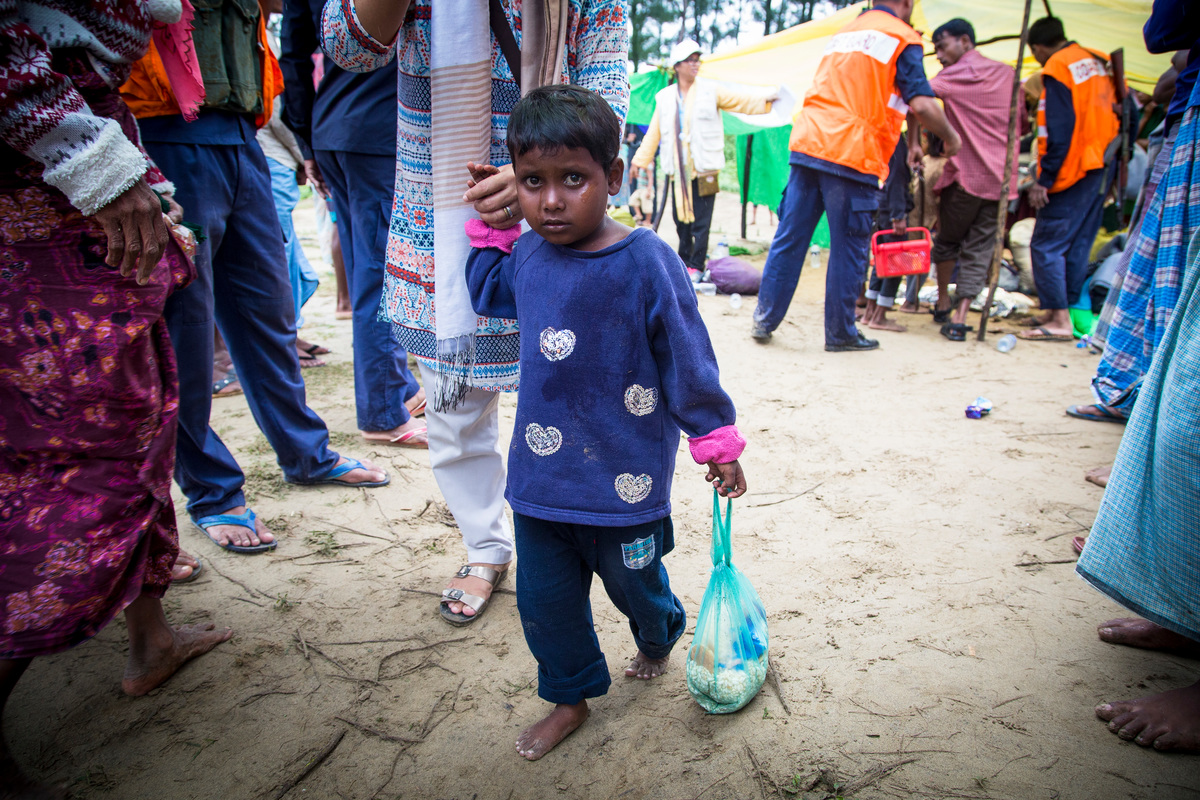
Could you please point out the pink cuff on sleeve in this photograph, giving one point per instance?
(722, 446)
(483, 235)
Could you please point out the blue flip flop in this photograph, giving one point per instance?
(333, 477)
(245, 520)
(1105, 415)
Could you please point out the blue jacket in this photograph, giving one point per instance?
(351, 111)
(615, 360)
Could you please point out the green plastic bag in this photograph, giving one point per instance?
(727, 662)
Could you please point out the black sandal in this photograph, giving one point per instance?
(941, 315)
(955, 331)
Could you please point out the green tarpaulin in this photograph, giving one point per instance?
(768, 168)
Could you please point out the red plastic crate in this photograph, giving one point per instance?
(893, 259)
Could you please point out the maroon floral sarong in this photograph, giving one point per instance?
(88, 404)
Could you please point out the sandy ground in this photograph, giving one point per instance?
(928, 635)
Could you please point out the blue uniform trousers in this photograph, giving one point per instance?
(1062, 240)
(554, 581)
(362, 187)
(850, 207)
(243, 284)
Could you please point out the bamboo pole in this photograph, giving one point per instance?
(1009, 166)
(746, 180)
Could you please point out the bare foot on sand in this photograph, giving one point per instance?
(1167, 721)
(644, 667)
(882, 323)
(1098, 476)
(151, 665)
(1137, 632)
(540, 738)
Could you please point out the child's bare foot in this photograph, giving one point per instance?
(644, 667)
(540, 738)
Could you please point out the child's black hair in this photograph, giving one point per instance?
(550, 117)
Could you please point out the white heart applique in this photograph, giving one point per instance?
(557, 345)
(640, 401)
(633, 489)
(543, 441)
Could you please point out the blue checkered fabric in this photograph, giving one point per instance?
(1144, 549)
(1151, 286)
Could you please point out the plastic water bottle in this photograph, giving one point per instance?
(706, 289)
(722, 249)
(1006, 343)
(814, 256)
(735, 301)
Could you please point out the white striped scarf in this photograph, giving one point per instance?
(461, 88)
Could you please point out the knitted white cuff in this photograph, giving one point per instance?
(168, 11)
(100, 173)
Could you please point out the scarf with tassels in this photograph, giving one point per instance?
(461, 89)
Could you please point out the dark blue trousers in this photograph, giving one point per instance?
(555, 565)
(243, 285)
(1062, 240)
(850, 208)
(362, 187)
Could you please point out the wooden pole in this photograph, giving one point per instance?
(746, 179)
(1009, 166)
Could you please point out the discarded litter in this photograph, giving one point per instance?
(980, 407)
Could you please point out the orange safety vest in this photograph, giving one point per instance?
(853, 114)
(148, 92)
(1085, 73)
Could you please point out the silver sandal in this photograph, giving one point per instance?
(492, 576)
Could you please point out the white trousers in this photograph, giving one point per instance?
(464, 450)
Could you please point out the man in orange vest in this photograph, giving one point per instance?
(1076, 124)
(870, 78)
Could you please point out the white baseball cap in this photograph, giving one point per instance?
(682, 50)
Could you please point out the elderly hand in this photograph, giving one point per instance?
(1038, 196)
(495, 196)
(137, 235)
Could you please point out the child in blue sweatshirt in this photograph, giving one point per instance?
(615, 360)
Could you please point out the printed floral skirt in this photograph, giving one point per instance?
(88, 405)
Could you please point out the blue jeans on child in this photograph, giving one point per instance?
(554, 581)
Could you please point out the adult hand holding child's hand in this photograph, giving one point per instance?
(493, 192)
(727, 479)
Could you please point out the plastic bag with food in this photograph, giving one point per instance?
(727, 662)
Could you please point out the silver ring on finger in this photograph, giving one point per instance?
(508, 213)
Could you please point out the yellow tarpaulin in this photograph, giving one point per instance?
(791, 57)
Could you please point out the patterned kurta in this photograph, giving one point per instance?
(597, 43)
(88, 396)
